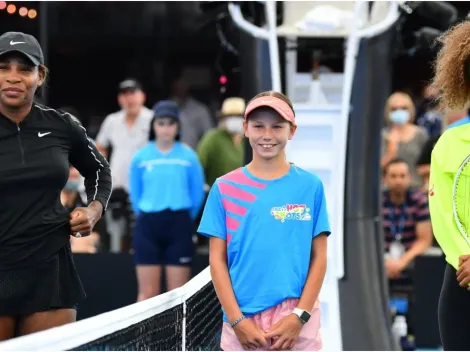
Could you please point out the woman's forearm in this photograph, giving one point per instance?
(389, 155)
(224, 289)
(387, 158)
(316, 274)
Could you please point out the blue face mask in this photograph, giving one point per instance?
(72, 185)
(400, 117)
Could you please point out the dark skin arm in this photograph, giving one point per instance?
(82, 220)
(463, 274)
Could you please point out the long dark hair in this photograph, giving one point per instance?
(153, 137)
(452, 67)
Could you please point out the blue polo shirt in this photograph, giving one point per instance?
(268, 226)
(173, 180)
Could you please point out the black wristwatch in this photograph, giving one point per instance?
(303, 315)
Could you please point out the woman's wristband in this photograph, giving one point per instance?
(237, 321)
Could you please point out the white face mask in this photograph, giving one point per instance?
(234, 124)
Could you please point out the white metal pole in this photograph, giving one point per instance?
(270, 9)
(291, 66)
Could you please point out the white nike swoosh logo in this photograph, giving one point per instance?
(43, 134)
(14, 43)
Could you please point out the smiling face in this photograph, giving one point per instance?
(268, 133)
(19, 79)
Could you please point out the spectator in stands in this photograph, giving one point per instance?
(195, 117)
(402, 139)
(71, 199)
(430, 116)
(406, 221)
(125, 132)
(221, 150)
(166, 191)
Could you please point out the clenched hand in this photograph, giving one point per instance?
(82, 220)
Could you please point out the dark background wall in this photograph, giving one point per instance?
(110, 281)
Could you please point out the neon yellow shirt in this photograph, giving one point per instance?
(447, 156)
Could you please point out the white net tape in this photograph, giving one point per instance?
(83, 332)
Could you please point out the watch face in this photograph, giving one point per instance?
(305, 316)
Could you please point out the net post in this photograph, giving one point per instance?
(183, 322)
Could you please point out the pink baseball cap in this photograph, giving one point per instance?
(279, 105)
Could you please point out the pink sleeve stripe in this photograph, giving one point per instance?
(238, 176)
(229, 238)
(234, 192)
(231, 223)
(231, 207)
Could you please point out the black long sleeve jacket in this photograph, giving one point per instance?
(34, 166)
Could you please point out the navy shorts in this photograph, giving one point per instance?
(163, 238)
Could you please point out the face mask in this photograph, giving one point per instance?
(234, 124)
(400, 117)
(72, 185)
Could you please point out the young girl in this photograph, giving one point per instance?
(166, 192)
(268, 228)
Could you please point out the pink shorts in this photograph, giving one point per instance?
(309, 338)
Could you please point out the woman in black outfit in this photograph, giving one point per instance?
(452, 77)
(39, 286)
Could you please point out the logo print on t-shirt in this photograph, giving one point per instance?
(291, 212)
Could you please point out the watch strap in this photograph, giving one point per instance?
(303, 315)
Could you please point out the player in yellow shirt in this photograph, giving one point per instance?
(449, 193)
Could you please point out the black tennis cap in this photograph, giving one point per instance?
(22, 43)
(129, 85)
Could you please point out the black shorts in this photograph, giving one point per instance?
(163, 238)
(50, 284)
(453, 313)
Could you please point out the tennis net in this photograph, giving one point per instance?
(186, 319)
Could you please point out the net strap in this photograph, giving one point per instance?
(79, 333)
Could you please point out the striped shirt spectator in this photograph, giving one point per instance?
(406, 220)
(401, 219)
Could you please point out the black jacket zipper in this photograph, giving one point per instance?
(21, 145)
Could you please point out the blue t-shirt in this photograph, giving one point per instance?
(172, 180)
(268, 226)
